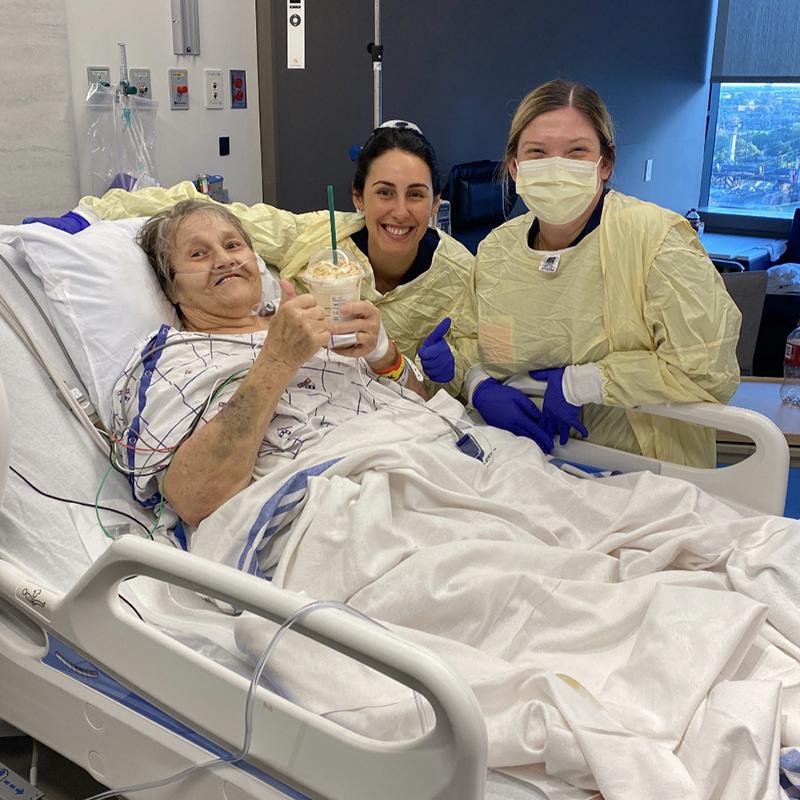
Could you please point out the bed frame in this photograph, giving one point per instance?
(759, 481)
(81, 664)
(129, 704)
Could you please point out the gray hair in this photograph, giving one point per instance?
(158, 235)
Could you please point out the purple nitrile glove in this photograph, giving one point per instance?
(71, 222)
(558, 415)
(435, 354)
(506, 407)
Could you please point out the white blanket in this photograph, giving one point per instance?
(629, 634)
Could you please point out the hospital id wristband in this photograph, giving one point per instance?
(395, 366)
(400, 375)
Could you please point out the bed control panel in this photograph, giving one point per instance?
(13, 786)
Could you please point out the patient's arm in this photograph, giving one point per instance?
(216, 462)
(366, 323)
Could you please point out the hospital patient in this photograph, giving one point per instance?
(631, 634)
(293, 389)
(413, 273)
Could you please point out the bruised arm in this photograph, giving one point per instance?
(216, 461)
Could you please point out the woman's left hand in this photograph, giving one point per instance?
(366, 324)
(558, 414)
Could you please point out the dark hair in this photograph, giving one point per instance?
(405, 139)
(157, 236)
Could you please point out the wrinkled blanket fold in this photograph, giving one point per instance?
(628, 634)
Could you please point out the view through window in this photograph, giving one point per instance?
(756, 161)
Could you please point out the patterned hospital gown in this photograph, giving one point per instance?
(164, 392)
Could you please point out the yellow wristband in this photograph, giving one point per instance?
(396, 365)
(396, 374)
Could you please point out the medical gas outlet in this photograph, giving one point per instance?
(213, 79)
(178, 89)
(140, 78)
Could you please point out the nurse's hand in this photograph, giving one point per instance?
(436, 356)
(366, 326)
(506, 407)
(558, 414)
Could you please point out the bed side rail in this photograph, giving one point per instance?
(309, 752)
(758, 481)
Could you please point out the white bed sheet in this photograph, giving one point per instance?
(631, 631)
(56, 542)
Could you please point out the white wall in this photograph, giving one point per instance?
(38, 163)
(187, 142)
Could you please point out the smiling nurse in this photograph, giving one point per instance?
(414, 274)
(611, 300)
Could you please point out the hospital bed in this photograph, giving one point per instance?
(134, 680)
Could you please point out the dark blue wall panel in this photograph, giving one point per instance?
(459, 67)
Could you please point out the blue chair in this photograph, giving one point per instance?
(478, 201)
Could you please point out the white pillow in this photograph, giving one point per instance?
(103, 296)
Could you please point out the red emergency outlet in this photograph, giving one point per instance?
(238, 88)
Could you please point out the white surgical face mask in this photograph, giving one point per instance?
(557, 190)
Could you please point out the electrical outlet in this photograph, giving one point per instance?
(178, 89)
(213, 88)
(98, 74)
(238, 88)
(140, 78)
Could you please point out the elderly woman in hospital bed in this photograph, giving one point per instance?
(612, 301)
(413, 273)
(631, 634)
(205, 262)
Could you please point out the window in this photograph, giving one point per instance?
(755, 153)
(751, 172)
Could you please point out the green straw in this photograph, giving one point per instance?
(333, 223)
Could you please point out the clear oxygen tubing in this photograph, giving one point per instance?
(266, 306)
(233, 758)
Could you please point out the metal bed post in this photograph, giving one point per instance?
(375, 49)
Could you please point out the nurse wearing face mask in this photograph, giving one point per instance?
(609, 299)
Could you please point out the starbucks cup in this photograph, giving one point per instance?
(334, 284)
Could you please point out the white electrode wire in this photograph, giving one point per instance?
(459, 433)
(233, 758)
(151, 468)
(174, 342)
(33, 775)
